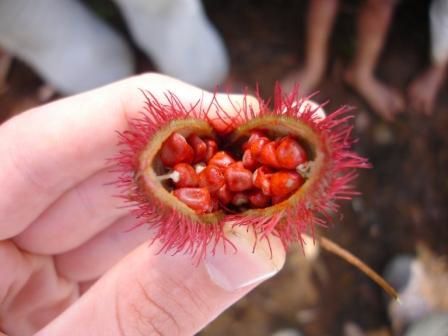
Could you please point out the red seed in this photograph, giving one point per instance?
(249, 161)
(196, 198)
(268, 155)
(212, 148)
(199, 147)
(187, 176)
(225, 196)
(212, 178)
(290, 153)
(254, 136)
(221, 159)
(214, 204)
(261, 179)
(285, 183)
(175, 149)
(257, 146)
(237, 177)
(259, 200)
(240, 199)
(278, 199)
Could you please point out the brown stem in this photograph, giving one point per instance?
(351, 259)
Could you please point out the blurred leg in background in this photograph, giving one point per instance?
(319, 24)
(372, 27)
(423, 90)
(373, 24)
(178, 37)
(65, 44)
(74, 51)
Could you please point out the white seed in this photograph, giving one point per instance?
(198, 167)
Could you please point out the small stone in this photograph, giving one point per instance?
(383, 135)
(287, 332)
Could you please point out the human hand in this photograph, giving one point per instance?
(67, 263)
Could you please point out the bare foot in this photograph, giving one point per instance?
(384, 100)
(423, 90)
(306, 78)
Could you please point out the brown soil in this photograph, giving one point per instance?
(403, 197)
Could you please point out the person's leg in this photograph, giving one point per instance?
(373, 23)
(423, 90)
(320, 20)
(69, 47)
(179, 38)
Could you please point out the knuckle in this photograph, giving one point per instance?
(20, 161)
(142, 313)
(84, 198)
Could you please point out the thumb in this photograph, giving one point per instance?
(147, 294)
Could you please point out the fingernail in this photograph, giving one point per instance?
(246, 266)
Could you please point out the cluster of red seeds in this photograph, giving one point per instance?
(207, 180)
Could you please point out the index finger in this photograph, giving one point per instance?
(50, 149)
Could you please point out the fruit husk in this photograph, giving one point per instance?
(275, 126)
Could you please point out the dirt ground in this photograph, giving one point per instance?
(403, 197)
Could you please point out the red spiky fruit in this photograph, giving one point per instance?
(288, 139)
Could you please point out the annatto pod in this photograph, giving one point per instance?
(279, 170)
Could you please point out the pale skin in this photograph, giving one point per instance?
(372, 26)
(62, 232)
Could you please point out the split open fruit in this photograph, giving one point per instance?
(257, 174)
(278, 169)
